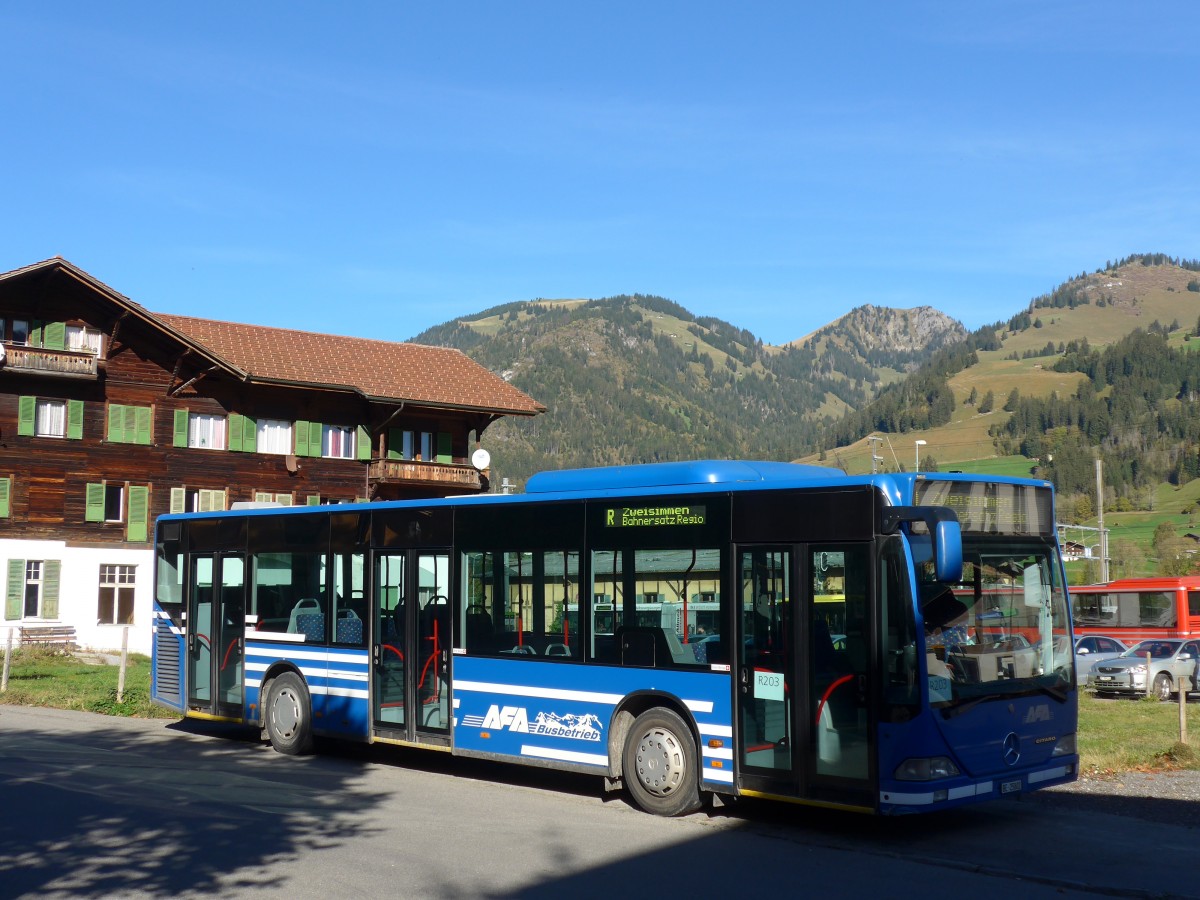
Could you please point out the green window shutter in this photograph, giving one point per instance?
(26, 417)
(54, 336)
(14, 596)
(444, 441)
(236, 426)
(312, 500)
(94, 505)
(315, 431)
(178, 499)
(51, 578)
(144, 425)
(362, 443)
(139, 508)
(283, 499)
(395, 443)
(262, 497)
(35, 333)
(180, 430)
(116, 423)
(301, 430)
(75, 420)
(5, 497)
(250, 434)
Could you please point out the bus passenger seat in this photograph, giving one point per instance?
(312, 626)
(303, 605)
(349, 627)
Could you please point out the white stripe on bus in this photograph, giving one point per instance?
(591, 759)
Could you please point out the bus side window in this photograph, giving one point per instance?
(515, 603)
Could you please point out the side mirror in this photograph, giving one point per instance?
(947, 550)
(1083, 651)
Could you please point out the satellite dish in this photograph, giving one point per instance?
(481, 459)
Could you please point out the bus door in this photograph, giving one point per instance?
(766, 677)
(216, 626)
(803, 688)
(840, 747)
(412, 645)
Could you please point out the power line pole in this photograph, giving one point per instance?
(875, 441)
(1100, 520)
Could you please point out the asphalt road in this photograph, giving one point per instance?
(100, 807)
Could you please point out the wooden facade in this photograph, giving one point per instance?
(111, 416)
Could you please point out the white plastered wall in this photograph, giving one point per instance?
(79, 592)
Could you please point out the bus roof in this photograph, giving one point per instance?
(650, 479)
(676, 474)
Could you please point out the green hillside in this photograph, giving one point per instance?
(635, 379)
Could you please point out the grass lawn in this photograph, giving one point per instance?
(49, 677)
(1120, 735)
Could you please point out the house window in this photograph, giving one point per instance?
(114, 502)
(50, 419)
(337, 441)
(206, 432)
(274, 436)
(80, 338)
(20, 331)
(115, 606)
(33, 589)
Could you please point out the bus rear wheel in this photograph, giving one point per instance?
(659, 764)
(288, 715)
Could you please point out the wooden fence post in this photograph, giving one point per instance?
(1183, 680)
(7, 657)
(124, 657)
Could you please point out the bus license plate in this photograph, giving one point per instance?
(1010, 787)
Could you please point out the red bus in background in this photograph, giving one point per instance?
(1135, 609)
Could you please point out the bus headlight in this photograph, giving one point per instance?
(927, 769)
(1065, 745)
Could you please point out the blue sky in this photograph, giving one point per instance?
(377, 168)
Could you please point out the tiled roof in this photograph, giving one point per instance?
(435, 376)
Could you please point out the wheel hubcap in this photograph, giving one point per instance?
(660, 762)
(285, 713)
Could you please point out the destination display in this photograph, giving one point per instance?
(989, 507)
(653, 516)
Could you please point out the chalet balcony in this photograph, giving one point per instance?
(24, 360)
(393, 477)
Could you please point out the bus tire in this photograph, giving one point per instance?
(288, 715)
(659, 764)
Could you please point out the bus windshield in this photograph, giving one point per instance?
(992, 634)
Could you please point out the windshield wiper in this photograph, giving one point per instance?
(951, 712)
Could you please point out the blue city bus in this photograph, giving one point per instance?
(691, 632)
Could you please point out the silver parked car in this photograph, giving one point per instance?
(1090, 649)
(1170, 659)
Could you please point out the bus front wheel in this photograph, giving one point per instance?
(289, 715)
(659, 764)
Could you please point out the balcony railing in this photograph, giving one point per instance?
(40, 361)
(459, 476)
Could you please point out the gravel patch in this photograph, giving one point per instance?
(1171, 798)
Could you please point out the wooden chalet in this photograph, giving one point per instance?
(111, 415)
